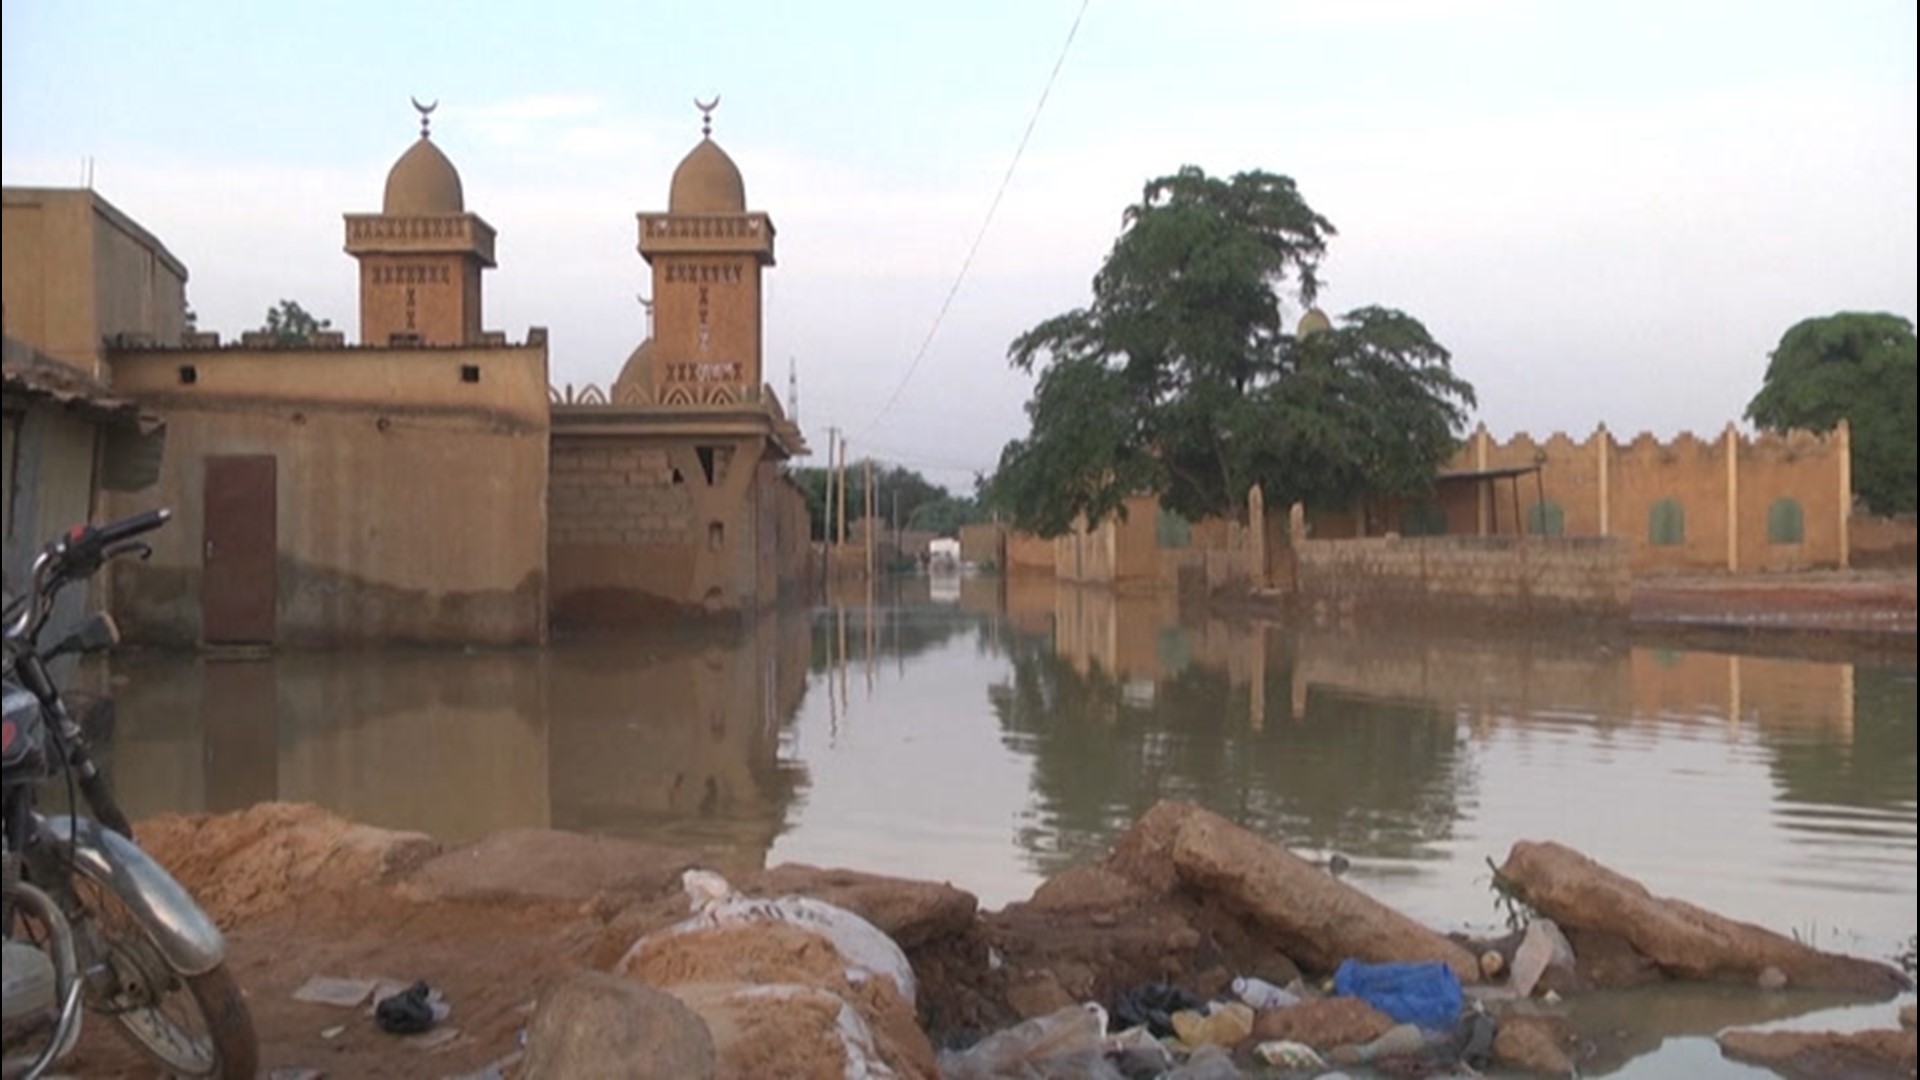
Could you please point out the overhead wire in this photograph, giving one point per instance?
(999, 194)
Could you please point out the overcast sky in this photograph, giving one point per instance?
(1609, 212)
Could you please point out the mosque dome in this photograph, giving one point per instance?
(423, 181)
(1313, 322)
(638, 369)
(707, 182)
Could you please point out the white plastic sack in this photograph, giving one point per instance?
(867, 950)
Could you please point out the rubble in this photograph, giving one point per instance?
(1685, 941)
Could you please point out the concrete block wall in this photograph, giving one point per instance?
(605, 492)
(1519, 577)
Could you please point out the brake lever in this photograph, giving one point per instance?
(128, 547)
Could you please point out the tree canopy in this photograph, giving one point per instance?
(1861, 367)
(291, 324)
(1182, 380)
(919, 503)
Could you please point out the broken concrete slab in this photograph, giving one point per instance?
(1819, 1055)
(1684, 940)
(1313, 917)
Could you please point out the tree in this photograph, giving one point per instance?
(945, 515)
(1181, 380)
(1856, 366)
(896, 487)
(291, 324)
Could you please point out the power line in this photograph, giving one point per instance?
(992, 208)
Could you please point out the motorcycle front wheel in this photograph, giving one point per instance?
(190, 1025)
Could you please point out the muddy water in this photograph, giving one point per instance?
(990, 736)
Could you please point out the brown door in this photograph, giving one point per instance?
(240, 546)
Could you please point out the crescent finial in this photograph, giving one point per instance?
(706, 114)
(425, 111)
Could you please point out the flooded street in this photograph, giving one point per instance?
(989, 737)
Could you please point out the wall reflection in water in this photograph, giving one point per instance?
(673, 740)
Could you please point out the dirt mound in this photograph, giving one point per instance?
(243, 865)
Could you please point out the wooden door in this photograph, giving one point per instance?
(240, 548)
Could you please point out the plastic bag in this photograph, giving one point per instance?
(1069, 1042)
(866, 948)
(1427, 994)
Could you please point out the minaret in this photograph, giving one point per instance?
(421, 256)
(707, 252)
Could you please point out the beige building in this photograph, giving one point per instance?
(331, 494)
(79, 274)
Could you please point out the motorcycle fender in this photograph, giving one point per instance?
(183, 933)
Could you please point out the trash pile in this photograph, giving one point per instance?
(1415, 1015)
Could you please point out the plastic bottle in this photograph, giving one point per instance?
(1262, 994)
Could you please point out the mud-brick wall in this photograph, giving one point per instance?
(410, 489)
(1503, 576)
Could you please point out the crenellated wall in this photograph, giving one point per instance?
(1731, 503)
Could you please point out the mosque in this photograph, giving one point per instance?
(424, 482)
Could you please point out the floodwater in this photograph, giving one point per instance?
(989, 735)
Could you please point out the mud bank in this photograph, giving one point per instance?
(1186, 899)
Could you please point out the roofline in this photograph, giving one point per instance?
(119, 218)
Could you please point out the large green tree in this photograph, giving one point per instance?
(1181, 379)
(291, 324)
(1857, 366)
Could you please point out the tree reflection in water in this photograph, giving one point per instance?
(1371, 779)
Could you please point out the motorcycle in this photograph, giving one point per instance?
(91, 922)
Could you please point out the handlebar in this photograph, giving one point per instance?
(74, 555)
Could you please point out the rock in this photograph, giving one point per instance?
(1906, 1016)
(1542, 947)
(1309, 915)
(1685, 940)
(1084, 888)
(1535, 1044)
(912, 913)
(1323, 1024)
(594, 1024)
(1038, 995)
(1610, 962)
(547, 864)
(1772, 978)
(1818, 1055)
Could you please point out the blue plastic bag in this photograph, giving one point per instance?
(1427, 994)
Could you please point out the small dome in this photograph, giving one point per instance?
(1313, 322)
(423, 181)
(638, 369)
(707, 182)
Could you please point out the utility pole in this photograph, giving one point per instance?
(843, 491)
(870, 508)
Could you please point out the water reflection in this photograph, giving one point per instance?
(673, 740)
(991, 732)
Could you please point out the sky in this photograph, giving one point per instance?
(1609, 213)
